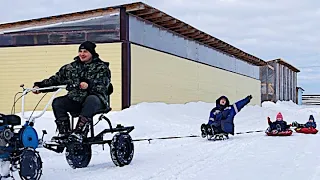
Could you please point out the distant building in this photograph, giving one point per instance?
(153, 56)
(278, 81)
(299, 95)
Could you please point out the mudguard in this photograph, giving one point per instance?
(29, 137)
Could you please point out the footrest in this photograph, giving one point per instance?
(54, 146)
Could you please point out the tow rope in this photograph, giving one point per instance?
(190, 136)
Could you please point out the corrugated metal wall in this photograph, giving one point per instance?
(149, 35)
(25, 65)
(281, 79)
(156, 78)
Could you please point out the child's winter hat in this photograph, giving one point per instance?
(279, 116)
(311, 118)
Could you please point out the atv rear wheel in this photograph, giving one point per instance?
(78, 155)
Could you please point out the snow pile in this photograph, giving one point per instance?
(248, 156)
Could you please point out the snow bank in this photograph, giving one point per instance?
(247, 156)
(160, 119)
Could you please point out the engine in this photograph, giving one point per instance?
(11, 141)
(6, 134)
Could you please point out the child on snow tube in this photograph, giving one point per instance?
(277, 126)
(310, 124)
(222, 116)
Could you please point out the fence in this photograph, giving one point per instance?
(311, 99)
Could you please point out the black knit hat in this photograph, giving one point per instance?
(311, 118)
(89, 46)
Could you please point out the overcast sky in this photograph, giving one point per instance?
(268, 29)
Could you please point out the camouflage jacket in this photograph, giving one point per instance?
(96, 73)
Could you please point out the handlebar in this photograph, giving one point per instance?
(27, 90)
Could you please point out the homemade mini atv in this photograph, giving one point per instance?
(78, 155)
(18, 144)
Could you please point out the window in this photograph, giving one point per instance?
(99, 29)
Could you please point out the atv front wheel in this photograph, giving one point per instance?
(121, 149)
(30, 165)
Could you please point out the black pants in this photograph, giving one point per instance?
(217, 130)
(62, 105)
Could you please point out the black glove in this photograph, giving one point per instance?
(250, 97)
(40, 85)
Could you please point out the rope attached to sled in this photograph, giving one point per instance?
(248, 132)
(190, 136)
(169, 137)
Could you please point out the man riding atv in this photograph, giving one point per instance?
(87, 79)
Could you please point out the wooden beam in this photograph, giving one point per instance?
(178, 25)
(167, 23)
(214, 43)
(204, 38)
(154, 16)
(270, 67)
(237, 54)
(146, 12)
(227, 49)
(210, 40)
(196, 34)
(182, 29)
(248, 57)
(134, 7)
(189, 31)
(234, 50)
(201, 35)
(221, 45)
(242, 54)
(164, 19)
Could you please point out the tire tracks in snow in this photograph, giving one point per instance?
(215, 152)
(235, 147)
(182, 160)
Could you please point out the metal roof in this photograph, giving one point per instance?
(147, 13)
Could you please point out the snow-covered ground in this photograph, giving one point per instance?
(242, 157)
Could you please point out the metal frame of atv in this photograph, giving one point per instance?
(98, 139)
(78, 155)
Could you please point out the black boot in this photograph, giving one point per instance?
(204, 130)
(211, 130)
(63, 127)
(81, 130)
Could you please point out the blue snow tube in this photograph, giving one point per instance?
(29, 137)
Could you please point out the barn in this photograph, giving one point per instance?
(153, 57)
(279, 81)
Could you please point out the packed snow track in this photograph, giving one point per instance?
(244, 156)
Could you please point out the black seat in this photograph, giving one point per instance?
(102, 111)
(11, 119)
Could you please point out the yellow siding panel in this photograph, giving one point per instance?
(25, 65)
(160, 77)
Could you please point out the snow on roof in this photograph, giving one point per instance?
(66, 23)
